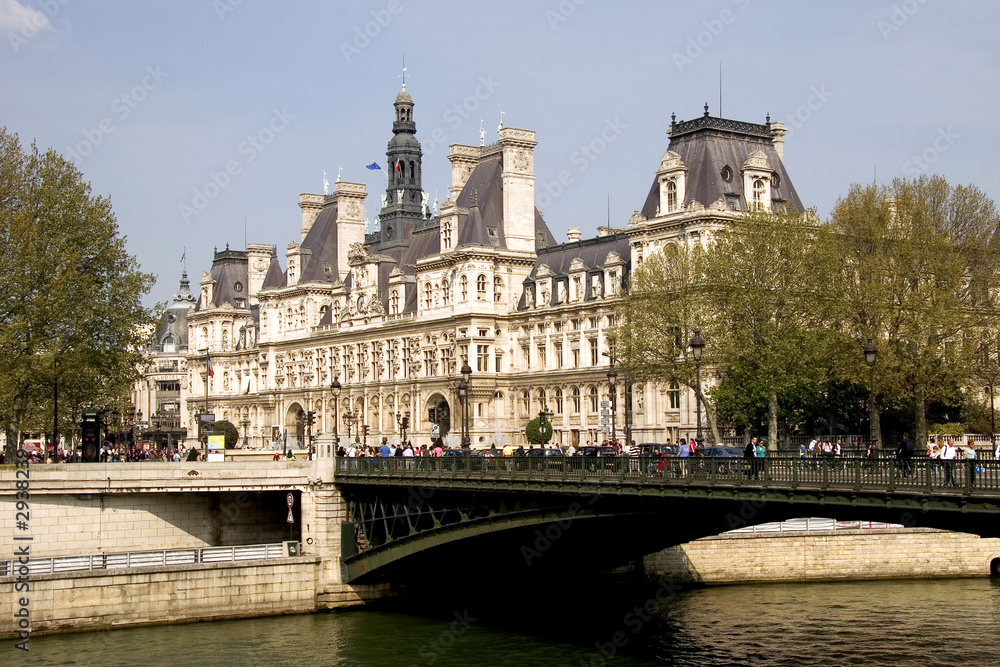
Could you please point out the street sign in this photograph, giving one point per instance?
(605, 420)
(605, 430)
(605, 413)
(289, 500)
(290, 518)
(605, 404)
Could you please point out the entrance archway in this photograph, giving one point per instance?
(295, 427)
(439, 415)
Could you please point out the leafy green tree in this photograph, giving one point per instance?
(768, 277)
(538, 433)
(228, 429)
(70, 312)
(919, 271)
(664, 305)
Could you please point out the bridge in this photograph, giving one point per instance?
(581, 512)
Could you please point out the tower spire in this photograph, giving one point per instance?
(403, 75)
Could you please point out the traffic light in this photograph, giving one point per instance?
(406, 422)
(365, 426)
(310, 417)
(431, 413)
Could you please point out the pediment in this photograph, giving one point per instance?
(671, 161)
(757, 160)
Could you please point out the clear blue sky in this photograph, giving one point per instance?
(151, 98)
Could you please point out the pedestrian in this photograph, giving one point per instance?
(683, 455)
(750, 454)
(948, 455)
(970, 462)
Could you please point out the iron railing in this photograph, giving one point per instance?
(135, 559)
(918, 474)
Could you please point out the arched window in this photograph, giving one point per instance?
(464, 282)
(427, 294)
(446, 234)
(525, 403)
(225, 339)
(671, 196)
(541, 400)
(445, 292)
(168, 344)
(758, 193)
(559, 401)
(593, 399)
(498, 289)
(674, 397)
(576, 400)
(481, 287)
(394, 302)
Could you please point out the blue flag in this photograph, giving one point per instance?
(373, 165)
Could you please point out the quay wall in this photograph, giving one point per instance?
(737, 558)
(79, 601)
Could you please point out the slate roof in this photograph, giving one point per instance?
(321, 240)
(708, 144)
(229, 267)
(275, 277)
(173, 322)
(592, 252)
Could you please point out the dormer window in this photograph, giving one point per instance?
(671, 196)
(671, 176)
(727, 173)
(759, 193)
(494, 237)
(733, 200)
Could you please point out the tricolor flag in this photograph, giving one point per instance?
(373, 165)
(211, 372)
(397, 165)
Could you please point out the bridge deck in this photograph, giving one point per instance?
(979, 479)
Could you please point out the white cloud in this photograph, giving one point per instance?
(15, 16)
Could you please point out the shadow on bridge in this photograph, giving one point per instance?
(420, 519)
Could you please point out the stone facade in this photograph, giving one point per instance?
(394, 313)
(826, 555)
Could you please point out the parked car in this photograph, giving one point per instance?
(722, 459)
(595, 457)
(548, 458)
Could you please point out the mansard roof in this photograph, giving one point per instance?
(593, 253)
(229, 273)
(707, 145)
(321, 242)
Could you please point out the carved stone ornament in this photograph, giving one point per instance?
(521, 160)
(357, 254)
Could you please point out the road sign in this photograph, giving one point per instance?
(605, 420)
(289, 500)
(605, 404)
(290, 518)
(605, 430)
(605, 413)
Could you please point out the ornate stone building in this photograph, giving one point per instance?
(394, 314)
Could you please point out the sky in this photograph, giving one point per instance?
(203, 121)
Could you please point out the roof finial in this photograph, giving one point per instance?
(673, 118)
(706, 109)
(339, 169)
(482, 133)
(768, 120)
(500, 126)
(326, 184)
(475, 199)
(403, 75)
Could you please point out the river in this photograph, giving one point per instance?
(939, 622)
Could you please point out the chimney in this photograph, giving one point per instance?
(573, 235)
(778, 137)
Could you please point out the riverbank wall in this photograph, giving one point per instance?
(858, 555)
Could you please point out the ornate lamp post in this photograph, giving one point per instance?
(403, 422)
(350, 418)
(463, 394)
(697, 346)
(335, 390)
(246, 425)
(613, 391)
(871, 352)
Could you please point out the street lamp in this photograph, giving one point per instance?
(613, 390)
(870, 353)
(246, 425)
(463, 391)
(403, 422)
(697, 345)
(335, 389)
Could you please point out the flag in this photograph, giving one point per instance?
(397, 165)
(211, 372)
(374, 165)
(184, 255)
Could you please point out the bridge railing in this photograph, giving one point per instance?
(919, 474)
(158, 558)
